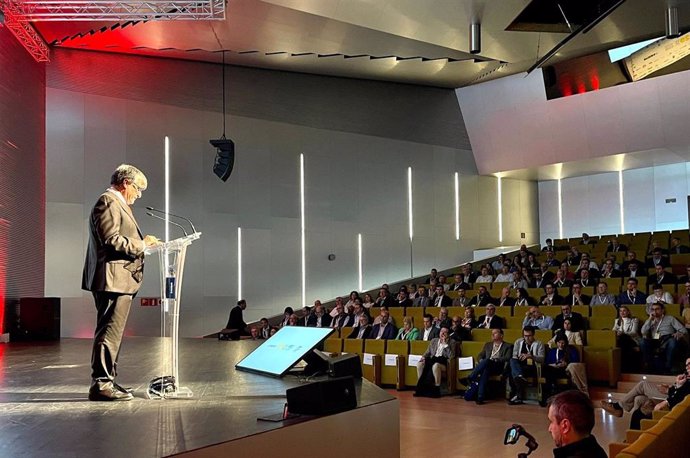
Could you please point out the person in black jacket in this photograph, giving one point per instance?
(571, 419)
(576, 320)
(236, 321)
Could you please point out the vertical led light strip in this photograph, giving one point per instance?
(359, 261)
(457, 207)
(409, 200)
(560, 211)
(166, 263)
(500, 211)
(620, 200)
(301, 197)
(239, 263)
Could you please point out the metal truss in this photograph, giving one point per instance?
(26, 35)
(104, 10)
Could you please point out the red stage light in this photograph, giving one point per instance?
(4, 234)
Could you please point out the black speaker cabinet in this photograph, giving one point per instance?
(323, 398)
(344, 365)
(38, 319)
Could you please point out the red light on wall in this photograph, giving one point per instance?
(581, 89)
(4, 234)
(594, 82)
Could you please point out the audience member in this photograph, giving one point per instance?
(551, 260)
(363, 330)
(505, 300)
(536, 319)
(293, 320)
(254, 333)
(385, 299)
(567, 313)
(658, 296)
(684, 297)
(498, 263)
(434, 364)
(442, 321)
(562, 280)
(490, 320)
(551, 297)
(631, 295)
(422, 299)
(440, 299)
(602, 297)
(265, 329)
(384, 329)
(661, 333)
(467, 323)
(571, 419)
(527, 353)
(561, 362)
(661, 277)
(457, 332)
(342, 318)
(286, 316)
(429, 331)
(408, 331)
(459, 283)
(615, 246)
(492, 360)
(368, 301)
(403, 300)
(627, 329)
(482, 298)
(658, 259)
(319, 319)
(432, 276)
(677, 247)
(549, 246)
(608, 270)
(574, 337)
(523, 299)
(484, 277)
(519, 281)
(576, 297)
(504, 275)
(646, 397)
(351, 300)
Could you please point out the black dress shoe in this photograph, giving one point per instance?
(108, 393)
(480, 401)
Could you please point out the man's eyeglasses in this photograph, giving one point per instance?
(136, 187)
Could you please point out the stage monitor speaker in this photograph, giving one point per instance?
(345, 365)
(38, 319)
(322, 398)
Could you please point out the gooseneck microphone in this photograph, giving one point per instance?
(163, 212)
(171, 222)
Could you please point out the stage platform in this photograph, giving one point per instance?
(44, 410)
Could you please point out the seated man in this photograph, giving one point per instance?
(576, 297)
(661, 277)
(363, 330)
(527, 352)
(461, 300)
(429, 331)
(265, 329)
(571, 419)
(646, 397)
(442, 321)
(536, 319)
(602, 297)
(319, 319)
(493, 359)
(562, 362)
(484, 276)
(341, 318)
(576, 320)
(658, 296)
(631, 295)
(505, 300)
(490, 320)
(677, 247)
(384, 329)
(440, 299)
(482, 298)
(551, 297)
(661, 333)
(504, 275)
(459, 283)
(422, 299)
(236, 321)
(434, 361)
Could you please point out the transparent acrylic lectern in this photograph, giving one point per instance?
(172, 256)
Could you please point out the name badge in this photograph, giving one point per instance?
(657, 336)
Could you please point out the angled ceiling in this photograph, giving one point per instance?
(423, 42)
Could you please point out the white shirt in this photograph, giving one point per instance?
(441, 347)
(426, 333)
(504, 277)
(484, 279)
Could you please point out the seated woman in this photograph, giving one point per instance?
(563, 362)
(522, 298)
(574, 337)
(627, 329)
(468, 323)
(408, 331)
(368, 301)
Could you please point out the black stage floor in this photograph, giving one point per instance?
(44, 411)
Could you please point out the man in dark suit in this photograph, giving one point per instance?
(615, 246)
(384, 329)
(657, 259)
(428, 331)
(493, 359)
(661, 277)
(576, 321)
(459, 283)
(363, 330)
(631, 259)
(551, 297)
(677, 248)
(319, 319)
(236, 321)
(113, 272)
(631, 295)
(482, 298)
(490, 320)
(576, 297)
(440, 299)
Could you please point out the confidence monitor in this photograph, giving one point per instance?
(286, 348)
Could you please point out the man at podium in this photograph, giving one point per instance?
(113, 272)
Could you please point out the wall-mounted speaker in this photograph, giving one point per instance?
(225, 157)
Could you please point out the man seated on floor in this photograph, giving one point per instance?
(661, 333)
(493, 360)
(646, 397)
(384, 329)
(576, 321)
(571, 419)
(536, 319)
(429, 331)
(527, 353)
(434, 363)
(490, 320)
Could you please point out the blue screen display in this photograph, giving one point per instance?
(282, 351)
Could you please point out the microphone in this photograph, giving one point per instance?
(171, 222)
(176, 216)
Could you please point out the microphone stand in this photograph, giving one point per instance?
(171, 222)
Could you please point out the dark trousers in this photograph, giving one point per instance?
(666, 346)
(113, 310)
(483, 370)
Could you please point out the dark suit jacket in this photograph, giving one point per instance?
(325, 321)
(432, 334)
(622, 298)
(509, 302)
(496, 322)
(679, 249)
(343, 320)
(457, 286)
(668, 279)
(481, 301)
(556, 300)
(388, 302)
(662, 262)
(355, 332)
(621, 247)
(235, 321)
(504, 354)
(445, 302)
(115, 253)
(390, 332)
(584, 299)
(576, 321)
